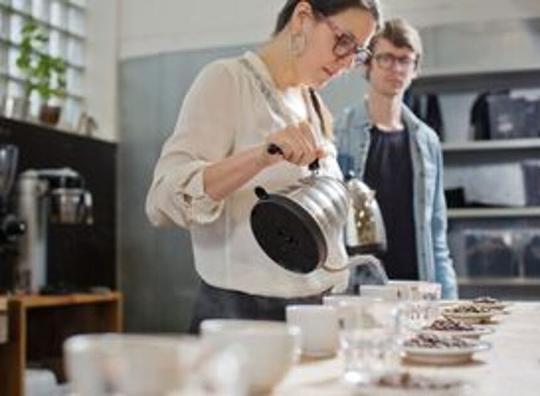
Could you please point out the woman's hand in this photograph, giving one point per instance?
(297, 143)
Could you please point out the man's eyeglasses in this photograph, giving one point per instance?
(387, 60)
(346, 44)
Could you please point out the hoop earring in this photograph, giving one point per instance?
(297, 43)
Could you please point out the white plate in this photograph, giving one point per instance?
(458, 390)
(471, 317)
(476, 332)
(444, 356)
(454, 387)
(500, 306)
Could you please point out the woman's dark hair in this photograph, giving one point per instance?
(328, 8)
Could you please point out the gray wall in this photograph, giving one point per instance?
(156, 265)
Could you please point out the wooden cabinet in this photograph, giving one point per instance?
(38, 326)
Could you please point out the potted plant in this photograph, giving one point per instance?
(42, 72)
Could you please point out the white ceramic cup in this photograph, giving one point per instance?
(335, 300)
(270, 348)
(388, 292)
(346, 305)
(319, 329)
(420, 290)
(103, 364)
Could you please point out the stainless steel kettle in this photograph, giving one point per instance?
(365, 232)
(299, 225)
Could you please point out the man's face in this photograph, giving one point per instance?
(391, 69)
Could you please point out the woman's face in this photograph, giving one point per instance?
(326, 37)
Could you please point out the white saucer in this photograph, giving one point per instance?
(471, 317)
(444, 356)
(476, 332)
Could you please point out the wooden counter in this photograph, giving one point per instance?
(511, 367)
(38, 326)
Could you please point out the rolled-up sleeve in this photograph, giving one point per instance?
(204, 134)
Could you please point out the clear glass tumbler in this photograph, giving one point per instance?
(370, 339)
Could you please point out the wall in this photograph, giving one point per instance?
(150, 28)
(134, 28)
(102, 53)
(156, 265)
(425, 13)
(169, 25)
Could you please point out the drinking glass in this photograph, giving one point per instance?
(423, 307)
(370, 339)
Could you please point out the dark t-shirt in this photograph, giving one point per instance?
(389, 172)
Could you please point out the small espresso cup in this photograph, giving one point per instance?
(319, 328)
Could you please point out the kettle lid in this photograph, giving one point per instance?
(288, 234)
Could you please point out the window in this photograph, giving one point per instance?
(64, 22)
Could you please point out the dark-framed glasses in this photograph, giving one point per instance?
(386, 60)
(346, 44)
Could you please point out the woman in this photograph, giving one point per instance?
(208, 168)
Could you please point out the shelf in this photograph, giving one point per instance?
(37, 301)
(485, 213)
(452, 81)
(492, 145)
(38, 335)
(499, 282)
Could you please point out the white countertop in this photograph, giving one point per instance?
(511, 367)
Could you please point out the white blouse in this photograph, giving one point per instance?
(224, 113)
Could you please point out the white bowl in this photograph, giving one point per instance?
(271, 348)
(99, 364)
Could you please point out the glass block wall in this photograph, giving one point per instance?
(64, 22)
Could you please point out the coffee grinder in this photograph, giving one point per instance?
(46, 195)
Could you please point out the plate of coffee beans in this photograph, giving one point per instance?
(428, 348)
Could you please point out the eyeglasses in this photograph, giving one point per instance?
(346, 44)
(387, 60)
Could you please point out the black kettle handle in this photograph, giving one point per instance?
(275, 149)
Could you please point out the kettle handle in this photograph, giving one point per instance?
(275, 149)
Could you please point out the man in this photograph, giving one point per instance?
(399, 157)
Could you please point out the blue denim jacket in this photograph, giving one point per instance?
(353, 134)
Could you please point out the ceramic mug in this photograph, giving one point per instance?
(319, 329)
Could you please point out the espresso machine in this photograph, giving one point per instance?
(43, 196)
(11, 227)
